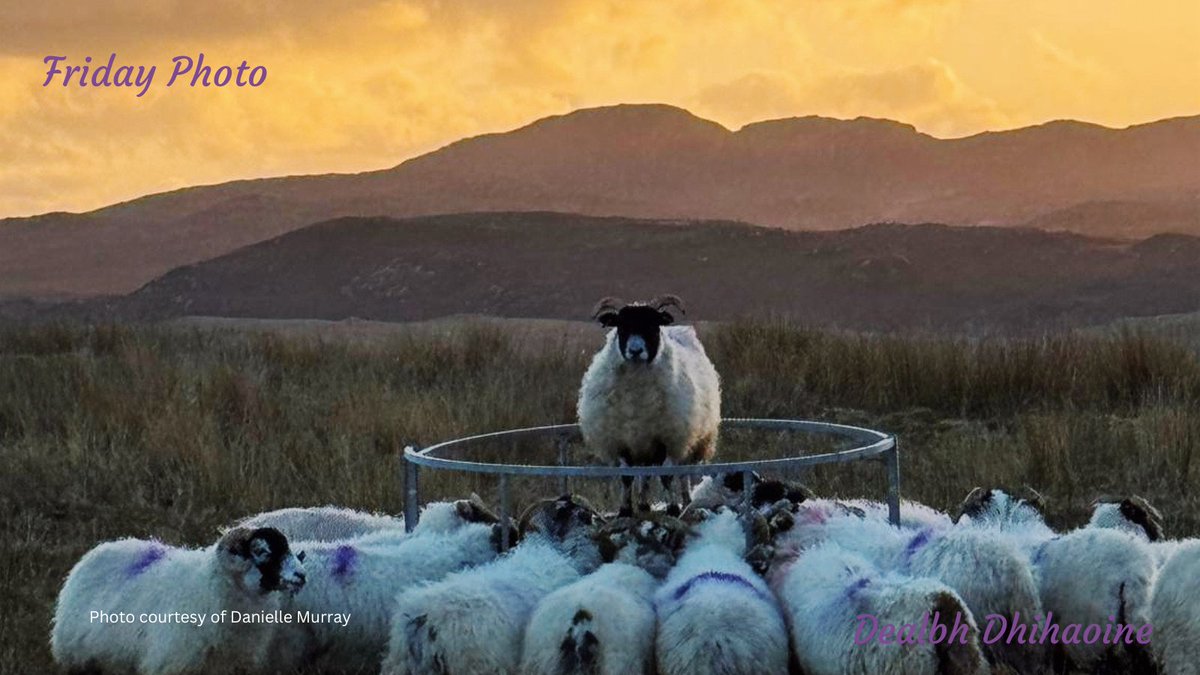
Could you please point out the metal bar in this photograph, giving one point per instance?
(747, 489)
(875, 449)
(564, 486)
(412, 492)
(891, 460)
(504, 510)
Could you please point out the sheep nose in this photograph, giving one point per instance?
(636, 351)
(300, 578)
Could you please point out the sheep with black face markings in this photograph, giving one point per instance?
(473, 622)
(1137, 516)
(650, 396)
(246, 571)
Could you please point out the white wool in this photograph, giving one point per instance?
(602, 624)
(827, 588)
(1108, 515)
(1175, 612)
(989, 573)
(1085, 576)
(472, 622)
(674, 400)
(362, 577)
(334, 523)
(912, 514)
(142, 578)
(715, 615)
(1089, 575)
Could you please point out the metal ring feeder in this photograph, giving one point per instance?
(870, 445)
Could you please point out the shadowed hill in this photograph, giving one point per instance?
(654, 161)
(556, 265)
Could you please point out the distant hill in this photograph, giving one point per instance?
(548, 265)
(654, 161)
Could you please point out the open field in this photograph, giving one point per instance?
(172, 431)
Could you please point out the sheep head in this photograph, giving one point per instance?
(260, 560)
(651, 541)
(1137, 512)
(638, 324)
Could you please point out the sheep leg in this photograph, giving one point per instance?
(626, 510)
(674, 508)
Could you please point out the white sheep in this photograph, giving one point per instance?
(990, 574)
(1087, 576)
(602, 624)
(839, 607)
(651, 396)
(715, 614)
(1175, 612)
(141, 606)
(333, 523)
(359, 579)
(472, 622)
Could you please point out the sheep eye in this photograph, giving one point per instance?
(300, 556)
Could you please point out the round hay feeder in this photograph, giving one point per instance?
(460, 455)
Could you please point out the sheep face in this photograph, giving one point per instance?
(260, 560)
(638, 331)
(1001, 506)
(1132, 514)
(638, 325)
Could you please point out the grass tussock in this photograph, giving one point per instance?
(110, 431)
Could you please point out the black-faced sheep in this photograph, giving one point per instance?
(174, 610)
(651, 396)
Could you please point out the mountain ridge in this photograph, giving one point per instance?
(654, 162)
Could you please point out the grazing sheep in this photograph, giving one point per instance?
(715, 614)
(1175, 611)
(990, 574)
(472, 622)
(156, 605)
(332, 523)
(1088, 576)
(838, 606)
(359, 579)
(603, 624)
(650, 396)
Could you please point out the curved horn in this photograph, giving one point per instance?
(607, 304)
(664, 301)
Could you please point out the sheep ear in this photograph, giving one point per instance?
(235, 542)
(665, 318)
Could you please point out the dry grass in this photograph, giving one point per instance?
(113, 431)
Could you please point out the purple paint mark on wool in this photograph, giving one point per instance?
(344, 558)
(721, 577)
(918, 542)
(855, 588)
(152, 554)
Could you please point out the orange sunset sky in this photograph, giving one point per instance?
(364, 84)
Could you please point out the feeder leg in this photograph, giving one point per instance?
(892, 465)
(564, 487)
(747, 489)
(505, 521)
(412, 496)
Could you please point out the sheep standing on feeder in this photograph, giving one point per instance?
(651, 396)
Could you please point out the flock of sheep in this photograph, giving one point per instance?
(726, 577)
